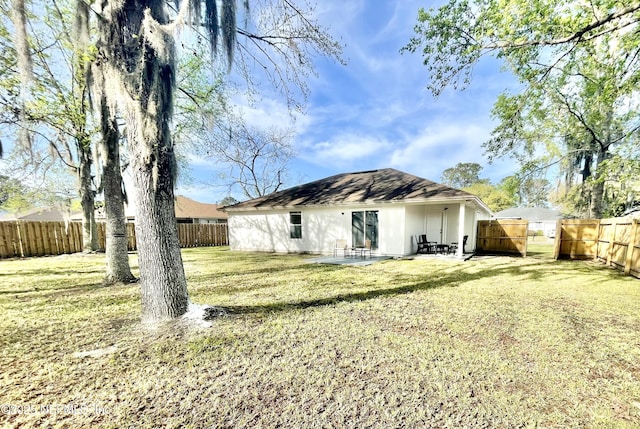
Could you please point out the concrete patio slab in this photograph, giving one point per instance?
(358, 262)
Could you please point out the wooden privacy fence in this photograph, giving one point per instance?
(615, 242)
(23, 238)
(39, 238)
(502, 237)
(203, 234)
(131, 236)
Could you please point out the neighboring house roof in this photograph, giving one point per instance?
(52, 214)
(377, 186)
(188, 208)
(529, 213)
(185, 208)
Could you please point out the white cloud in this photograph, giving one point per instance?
(196, 160)
(343, 150)
(444, 144)
(268, 113)
(436, 142)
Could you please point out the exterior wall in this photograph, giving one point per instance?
(209, 220)
(263, 231)
(452, 230)
(268, 231)
(321, 227)
(392, 231)
(548, 227)
(415, 224)
(470, 228)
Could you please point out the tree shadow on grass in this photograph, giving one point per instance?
(405, 284)
(59, 291)
(62, 271)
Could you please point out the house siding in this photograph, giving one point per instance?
(321, 227)
(268, 231)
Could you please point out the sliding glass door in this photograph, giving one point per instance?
(364, 226)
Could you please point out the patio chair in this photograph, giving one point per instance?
(340, 246)
(365, 249)
(453, 247)
(424, 246)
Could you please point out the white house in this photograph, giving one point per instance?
(540, 219)
(386, 206)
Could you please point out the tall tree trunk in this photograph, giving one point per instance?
(597, 191)
(140, 57)
(87, 198)
(117, 257)
(162, 278)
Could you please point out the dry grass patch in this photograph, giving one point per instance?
(495, 342)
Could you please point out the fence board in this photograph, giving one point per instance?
(24, 239)
(577, 239)
(614, 242)
(502, 237)
(9, 240)
(632, 262)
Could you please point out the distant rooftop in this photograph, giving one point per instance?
(188, 208)
(529, 213)
(38, 214)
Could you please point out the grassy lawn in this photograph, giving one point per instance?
(491, 342)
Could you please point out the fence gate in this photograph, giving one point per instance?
(502, 237)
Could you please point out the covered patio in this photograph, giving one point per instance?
(443, 228)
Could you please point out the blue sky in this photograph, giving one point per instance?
(376, 112)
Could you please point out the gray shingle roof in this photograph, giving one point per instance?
(376, 186)
(529, 213)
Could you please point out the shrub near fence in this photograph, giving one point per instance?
(24, 239)
(615, 242)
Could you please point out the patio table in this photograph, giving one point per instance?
(442, 248)
(361, 251)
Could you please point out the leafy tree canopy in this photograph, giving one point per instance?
(493, 196)
(462, 175)
(530, 36)
(466, 176)
(579, 66)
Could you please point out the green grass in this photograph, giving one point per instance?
(491, 342)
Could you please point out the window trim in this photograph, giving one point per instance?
(364, 231)
(295, 229)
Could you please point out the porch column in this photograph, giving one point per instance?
(461, 222)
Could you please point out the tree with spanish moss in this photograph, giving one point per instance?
(136, 56)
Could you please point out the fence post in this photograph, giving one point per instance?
(612, 238)
(558, 241)
(631, 247)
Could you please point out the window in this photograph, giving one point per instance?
(295, 224)
(364, 226)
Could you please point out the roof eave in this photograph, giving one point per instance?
(373, 202)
